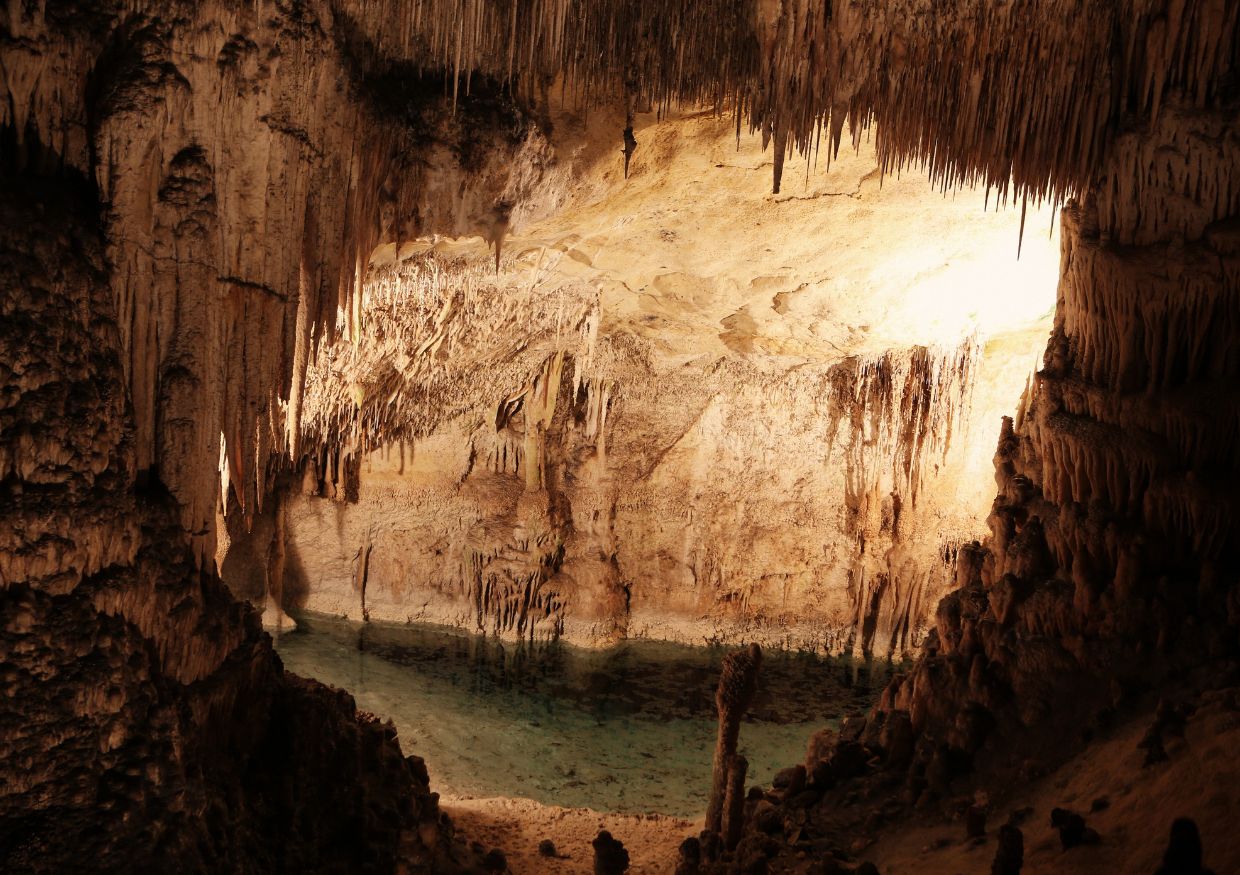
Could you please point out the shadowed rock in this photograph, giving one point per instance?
(734, 801)
(1072, 829)
(1184, 852)
(689, 858)
(1010, 855)
(610, 857)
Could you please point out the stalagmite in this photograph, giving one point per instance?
(1184, 852)
(610, 856)
(1010, 853)
(738, 683)
(734, 801)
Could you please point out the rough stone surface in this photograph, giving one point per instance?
(1109, 576)
(747, 440)
(147, 723)
(234, 167)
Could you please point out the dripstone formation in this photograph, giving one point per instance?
(195, 319)
(738, 682)
(149, 726)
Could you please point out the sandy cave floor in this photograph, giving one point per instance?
(516, 826)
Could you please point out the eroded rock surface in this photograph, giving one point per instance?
(707, 434)
(148, 725)
(1110, 576)
(235, 167)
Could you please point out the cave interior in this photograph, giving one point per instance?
(433, 432)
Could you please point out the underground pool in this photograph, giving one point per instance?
(629, 729)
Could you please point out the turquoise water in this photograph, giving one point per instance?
(629, 729)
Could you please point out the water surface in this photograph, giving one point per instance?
(630, 729)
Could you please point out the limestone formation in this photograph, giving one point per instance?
(724, 458)
(734, 802)
(213, 294)
(738, 682)
(1184, 852)
(689, 857)
(610, 857)
(1010, 854)
(1072, 829)
(149, 725)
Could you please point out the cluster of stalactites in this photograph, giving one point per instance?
(1024, 98)
(445, 336)
(904, 407)
(1136, 411)
(247, 165)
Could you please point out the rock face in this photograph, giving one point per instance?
(1112, 560)
(1111, 568)
(148, 724)
(629, 431)
(186, 193)
(248, 161)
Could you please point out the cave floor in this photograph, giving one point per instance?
(519, 825)
(1135, 805)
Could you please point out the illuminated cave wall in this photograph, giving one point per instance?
(1112, 562)
(184, 197)
(777, 425)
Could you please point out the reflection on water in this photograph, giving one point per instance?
(628, 729)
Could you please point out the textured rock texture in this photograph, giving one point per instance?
(248, 158)
(751, 436)
(183, 186)
(147, 723)
(1110, 576)
(1112, 560)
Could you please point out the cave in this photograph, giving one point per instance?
(707, 436)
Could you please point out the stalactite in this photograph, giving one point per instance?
(136, 685)
(902, 411)
(186, 189)
(958, 97)
(244, 192)
(448, 339)
(1117, 511)
(247, 160)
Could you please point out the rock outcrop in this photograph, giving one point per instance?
(148, 725)
(1113, 556)
(248, 161)
(1110, 575)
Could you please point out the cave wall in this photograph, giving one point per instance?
(816, 509)
(186, 189)
(244, 171)
(249, 159)
(746, 441)
(1112, 564)
(147, 725)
